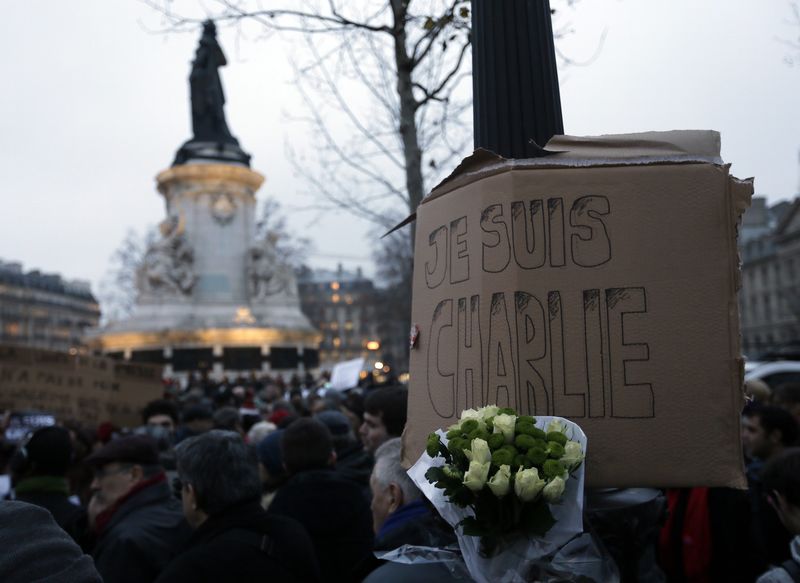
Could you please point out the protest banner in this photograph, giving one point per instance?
(86, 388)
(597, 284)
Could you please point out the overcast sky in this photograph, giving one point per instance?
(94, 105)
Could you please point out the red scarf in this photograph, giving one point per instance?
(104, 517)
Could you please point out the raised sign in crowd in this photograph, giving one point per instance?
(252, 480)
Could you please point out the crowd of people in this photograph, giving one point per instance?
(257, 480)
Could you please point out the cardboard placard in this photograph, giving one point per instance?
(86, 388)
(597, 284)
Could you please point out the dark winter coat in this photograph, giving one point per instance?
(244, 544)
(336, 515)
(355, 463)
(69, 516)
(143, 535)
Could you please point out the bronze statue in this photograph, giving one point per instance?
(208, 98)
(212, 139)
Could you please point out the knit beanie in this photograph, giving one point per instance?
(35, 548)
(269, 453)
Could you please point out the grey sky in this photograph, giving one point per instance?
(94, 106)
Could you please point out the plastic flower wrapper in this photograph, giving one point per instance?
(511, 486)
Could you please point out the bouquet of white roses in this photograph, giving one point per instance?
(512, 482)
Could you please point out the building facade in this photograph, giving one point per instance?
(769, 298)
(43, 310)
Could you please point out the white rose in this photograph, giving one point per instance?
(471, 414)
(488, 411)
(528, 484)
(479, 451)
(505, 424)
(555, 425)
(573, 455)
(554, 489)
(477, 475)
(500, 483)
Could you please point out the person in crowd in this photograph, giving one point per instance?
(197, 419)
(352, 461)
(34, 548)
(757, 391)
(234, 539)
(259, 431)
(787, 396)
(228, 419)
(332, 508)
(38, 473)
(137, 522)
(384, 416)
(402, 516)
(781, 481)
(161, 413)
(270, 466)
(766, 432)
(704, 536)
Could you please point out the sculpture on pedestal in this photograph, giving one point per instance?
(167, 266)
(267, 275)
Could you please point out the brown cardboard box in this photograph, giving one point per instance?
(597, 284)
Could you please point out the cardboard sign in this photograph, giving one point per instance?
(89, 389)
(597, 284)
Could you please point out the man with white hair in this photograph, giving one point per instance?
(402, 516)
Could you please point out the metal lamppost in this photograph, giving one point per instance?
(516, 100)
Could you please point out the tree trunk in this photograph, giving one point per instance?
(408, 108)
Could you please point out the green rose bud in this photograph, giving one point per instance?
(525, 419)
(469, 425)
(479, 433)
(510, 449)
(557, 437)
(528, 484)
(573, 455)
(478, 452)
(553, 469)
(496, 441)
(554, 489)
(524, 442)
(555, 450)
(505, 424)
(489, 423)
(432, 447)
(453, 433)
(476, 476)
(500, 483)
(521, 461)
(537, 456)
(502, 457)
(507, 411)
(531, 430)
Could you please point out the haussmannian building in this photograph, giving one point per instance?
(769, 299)
(43, 310)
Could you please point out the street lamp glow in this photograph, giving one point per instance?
(379, 365)
(373, 345)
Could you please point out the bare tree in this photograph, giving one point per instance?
(119, 287)
(271, 224)
(793, 57)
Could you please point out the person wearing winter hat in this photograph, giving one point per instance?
(270, 466)
(38, 473)
(352, 460)
(36, 549)
(138, 523)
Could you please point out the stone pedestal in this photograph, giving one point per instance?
(210, 294)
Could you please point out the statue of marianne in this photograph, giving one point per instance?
(208, 116)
